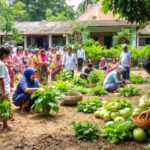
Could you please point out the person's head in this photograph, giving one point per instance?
(26, 52)
(103, 59)
(4, 53)
(18, 51)
(114, 60)
(30, 74)
(90, 66)
(36, 52)
(69, 50)
(58, 56)
(124, 47)
(42, 52)
(120, 70)
(146, 65)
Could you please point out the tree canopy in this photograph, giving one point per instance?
(41, 10)
(132, 10)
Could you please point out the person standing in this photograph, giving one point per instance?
(17, 59)
(4, 80)
(69, 61)
(26, 59)
(125, 60)
(80, 58)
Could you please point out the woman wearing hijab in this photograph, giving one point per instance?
(25, 87)
(114, 80)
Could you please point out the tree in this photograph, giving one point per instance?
(39, 10)
(83, 6)
(8, 14)
(123, 36)
(132, 10)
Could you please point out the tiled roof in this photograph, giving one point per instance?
(44, 27)
(110, 23)
(145, 31)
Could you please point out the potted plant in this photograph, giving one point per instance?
(46, 100)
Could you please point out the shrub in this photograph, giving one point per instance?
(85, 130)
(97, 91)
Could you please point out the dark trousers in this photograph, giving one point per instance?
(22, 99)
(126, 74)
(80, 63)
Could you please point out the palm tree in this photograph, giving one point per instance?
(84, 4)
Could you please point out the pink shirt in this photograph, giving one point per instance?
(17, 59)
(27, 61)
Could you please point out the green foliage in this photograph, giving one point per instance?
(124, 36)
(96, 76)
(79, 30)
(62, 86)
(97, 91)
(129, 91)
(80, 89)
(5, 109)
(85, 130)
(118, 131)
(89, 106)
(37, 10)
(136, 79)
(147, 147)
(77, 81)
(8, 14)
(133, 11)
(64, 75)
(46, 100)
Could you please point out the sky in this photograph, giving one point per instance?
(74, 2)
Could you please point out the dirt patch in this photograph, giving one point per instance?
(35, 132)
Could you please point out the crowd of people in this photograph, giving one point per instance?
(38, 65)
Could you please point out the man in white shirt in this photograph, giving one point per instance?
(80, 58)
(125, 59)
(69, 61)
(4, 80)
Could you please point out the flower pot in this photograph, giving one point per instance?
(71, 98)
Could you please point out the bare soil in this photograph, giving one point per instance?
(36, 132)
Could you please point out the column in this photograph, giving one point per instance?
(67, 40)
(50, 41)
(25, 42)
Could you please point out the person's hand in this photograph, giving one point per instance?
(145, 114)
(3, 96)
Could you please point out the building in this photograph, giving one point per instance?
(104, 26)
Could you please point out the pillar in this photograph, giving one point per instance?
(50, 41)
(25, 42)
(67, 40)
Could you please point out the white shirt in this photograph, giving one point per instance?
(4, 74)
(81, 53)
(125, 58)
(69, 61)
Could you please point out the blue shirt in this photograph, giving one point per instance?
(111, 78)
(23, 84)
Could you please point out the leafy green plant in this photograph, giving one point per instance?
(79, 82)
(147, 147)
(62, 86)
(5, 109)
(90, 105)
(136, 79)
(96, 76)
(85, 130)
(80, 89)
(128, 91)
(64, 75)
(46, 100)
(118, 131)
(97, 91)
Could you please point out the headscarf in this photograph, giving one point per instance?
(27, 75)
(43, 56)
(120, 69)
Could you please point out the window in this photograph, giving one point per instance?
(144, 41)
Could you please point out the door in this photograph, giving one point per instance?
(108, 41)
